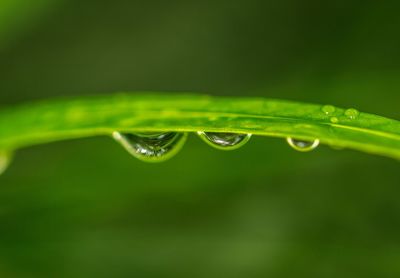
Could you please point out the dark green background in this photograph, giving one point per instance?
(86, 208)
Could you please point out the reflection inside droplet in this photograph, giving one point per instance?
(224, 140)
(151, 147)
(302, 145)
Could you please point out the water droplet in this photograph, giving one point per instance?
(352, 113)
(223, 140)
(151, 147)
(5, 160)
(302, 145)
(334, 120)
(328, 109)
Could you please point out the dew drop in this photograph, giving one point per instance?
(302, 145)
(351, 113)
(328, 109)
(5, 160)
(334, 120)
(151, 147)
(223, 140)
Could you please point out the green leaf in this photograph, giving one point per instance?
(53, 120)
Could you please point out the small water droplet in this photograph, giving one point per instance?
(328, 109)
(302, 145)
(224, 140)
(5, 160)
(352, 113)
(334, 120)
(151, 147)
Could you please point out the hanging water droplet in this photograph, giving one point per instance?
(328, 109)
(5, 160)
(302, 145)
(352, 113)
(224, 140)
(334, 120)
(151, 147)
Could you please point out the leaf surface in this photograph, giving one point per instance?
(61, 119)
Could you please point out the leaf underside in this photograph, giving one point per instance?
(54, 120)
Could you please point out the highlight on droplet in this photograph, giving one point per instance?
(5, 160)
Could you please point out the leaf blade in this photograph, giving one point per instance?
(53, 120)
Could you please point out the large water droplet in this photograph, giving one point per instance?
(302, 145)
(352, 113)
(223, 140)
(5, 160)
(328, 109)
(151, 147)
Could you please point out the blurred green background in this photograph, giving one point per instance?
(85, 208)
